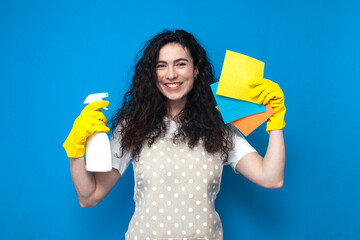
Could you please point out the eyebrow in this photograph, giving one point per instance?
(177, 60)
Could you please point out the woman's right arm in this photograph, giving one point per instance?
(91, 188)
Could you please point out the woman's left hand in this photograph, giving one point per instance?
(269, 92)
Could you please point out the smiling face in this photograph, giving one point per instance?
(175, 73)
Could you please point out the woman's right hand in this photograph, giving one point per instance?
(85, 125)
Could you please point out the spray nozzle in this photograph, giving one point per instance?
(96, 97)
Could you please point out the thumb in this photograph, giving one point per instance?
(256, 81)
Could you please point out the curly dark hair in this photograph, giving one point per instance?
(144, 108)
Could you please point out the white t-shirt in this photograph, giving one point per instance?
(121, 163)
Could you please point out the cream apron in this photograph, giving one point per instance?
(175, 190)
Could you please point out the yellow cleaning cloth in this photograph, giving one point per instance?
(238, 69)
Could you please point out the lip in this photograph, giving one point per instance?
(173, 88)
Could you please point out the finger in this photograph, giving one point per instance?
(256, 91)
(98, 116)
(270, 96)
(96, 128)
(96, 105)
(99, 128)
(263, 95)
(96, 122)
(256, 81)
(277, 94)
(277, 102)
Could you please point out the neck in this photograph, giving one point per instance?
(174, 108)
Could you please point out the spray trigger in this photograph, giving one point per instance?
(96, 97)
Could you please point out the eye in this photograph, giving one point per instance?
(160, 66)
(182, 64)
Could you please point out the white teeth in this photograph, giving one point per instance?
(172, 85)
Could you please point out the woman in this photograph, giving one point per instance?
(169, 129)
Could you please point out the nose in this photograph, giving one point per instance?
(171, 73)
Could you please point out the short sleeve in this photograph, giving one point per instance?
(241, 148)
(120, 162)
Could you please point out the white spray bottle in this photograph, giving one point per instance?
(98, 151)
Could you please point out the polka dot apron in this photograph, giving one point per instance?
(175, 190)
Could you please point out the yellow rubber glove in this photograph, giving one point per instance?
(268, 91)
(85, 125)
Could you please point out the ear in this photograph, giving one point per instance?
(196, 71)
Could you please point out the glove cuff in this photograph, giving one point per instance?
(73, 150)
(276, 123)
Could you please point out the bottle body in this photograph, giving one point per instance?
(98, 153)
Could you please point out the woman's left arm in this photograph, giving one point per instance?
(267, 172)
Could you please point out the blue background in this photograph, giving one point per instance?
(54, 53)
